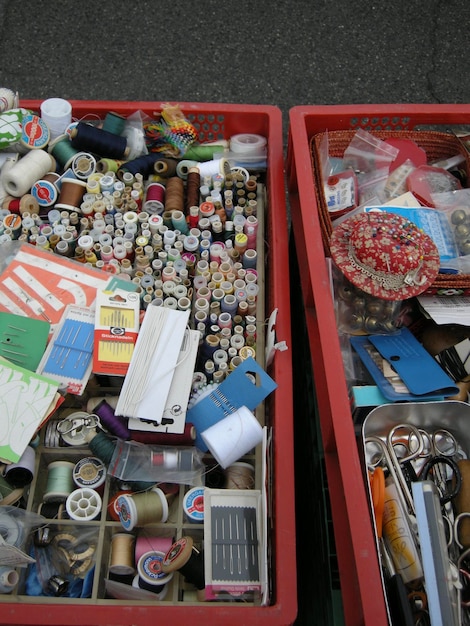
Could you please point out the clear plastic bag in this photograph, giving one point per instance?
(366, 152)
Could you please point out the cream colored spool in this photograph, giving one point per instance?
(20, 178)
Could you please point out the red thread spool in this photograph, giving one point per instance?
(167, 439)
(155, 198)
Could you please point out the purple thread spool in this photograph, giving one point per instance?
(110, 421)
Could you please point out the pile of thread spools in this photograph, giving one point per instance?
(182, 223)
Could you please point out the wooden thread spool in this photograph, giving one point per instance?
(186, 558)
(122, 554)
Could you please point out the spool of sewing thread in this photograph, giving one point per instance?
(174, 197)
(240, 475)
(83, 504)
(114, 123)
(57, 114)
(233, 437)
(8, 99)
(184, 557)
(98, 141)
(90, 472)
(213, 167)
(141, 509)
(122, 554)
(9, 578)
(59, 481)
(71, 194)
(111, 422)
(165, 168)
(22, 472)
(150, 575)
(154, 199)
(19, 179)
(146, 542)
(193, 183)
(101, 446)
(62, 151)
(186, 438)
(193, 505)
(34, 132)
(45, 191)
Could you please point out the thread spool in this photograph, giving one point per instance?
(102, 446)
(9, 578)
(57, 114)
(143, 508)
(71, 194)
(34, 132)
(90, 472)
(213, 167)
(146, 542)
(166, 168)
(19, 178)
(59, 481)
(240, 475)
(62, 151)
(45, 191)
(83, 504)
(150, 574)
(8, 99)
(114, 123)
(233, 437)
(98, 141)
(186, 438)
(21, 473)
(83, 165)
(184, 557)
(193, 505)
(193, 183)
(122, 554)
(154, 199)
(174, 198)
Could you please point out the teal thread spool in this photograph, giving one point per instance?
(59, 481)
(114, 123)
(62, 151)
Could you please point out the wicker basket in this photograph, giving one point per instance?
(437, 145)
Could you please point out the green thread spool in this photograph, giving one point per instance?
(102, 447)
(203, 153)
(108, 165)
(62, 150)
(114, 123)
(59, 481)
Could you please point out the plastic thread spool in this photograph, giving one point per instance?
(71, 194)
(233, 437)
(90, 472)
(239, 475)
(8, 579)
(59, 481)
(57, 114)
(143, 508)
(122, 554)
(150, 574)
(193, 505)
(83, 504)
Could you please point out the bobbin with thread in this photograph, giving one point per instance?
(150, 573)
(143, 508)
(19, 178)
(183, 556)
(122, 554)
(59, 481)
(240, 475)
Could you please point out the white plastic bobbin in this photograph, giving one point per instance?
(83, 165)
(85, 242)
(130, 217)
(84, 504)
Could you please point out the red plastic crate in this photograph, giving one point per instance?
(217, 121)
(361, 585)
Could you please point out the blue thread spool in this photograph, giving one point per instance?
(92, 139)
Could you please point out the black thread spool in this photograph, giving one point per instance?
(141, 165)
(92, 139)
(183, 556)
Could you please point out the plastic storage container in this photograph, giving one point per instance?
(212, 121)
(361, 586)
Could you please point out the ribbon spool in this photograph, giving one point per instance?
(19, 179)
(186, 558)
(143, 508)
(59, 481)
(240, 475)
(150, 575)
(83, 504)
(233, 437)
(193, 505)
(122, 554)
(90, 472)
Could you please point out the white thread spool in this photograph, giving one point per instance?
(7, 99)
(8, 579)
(233, 437)
(24, 173)
(57, 113)
(210, 168)
(84, 504)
